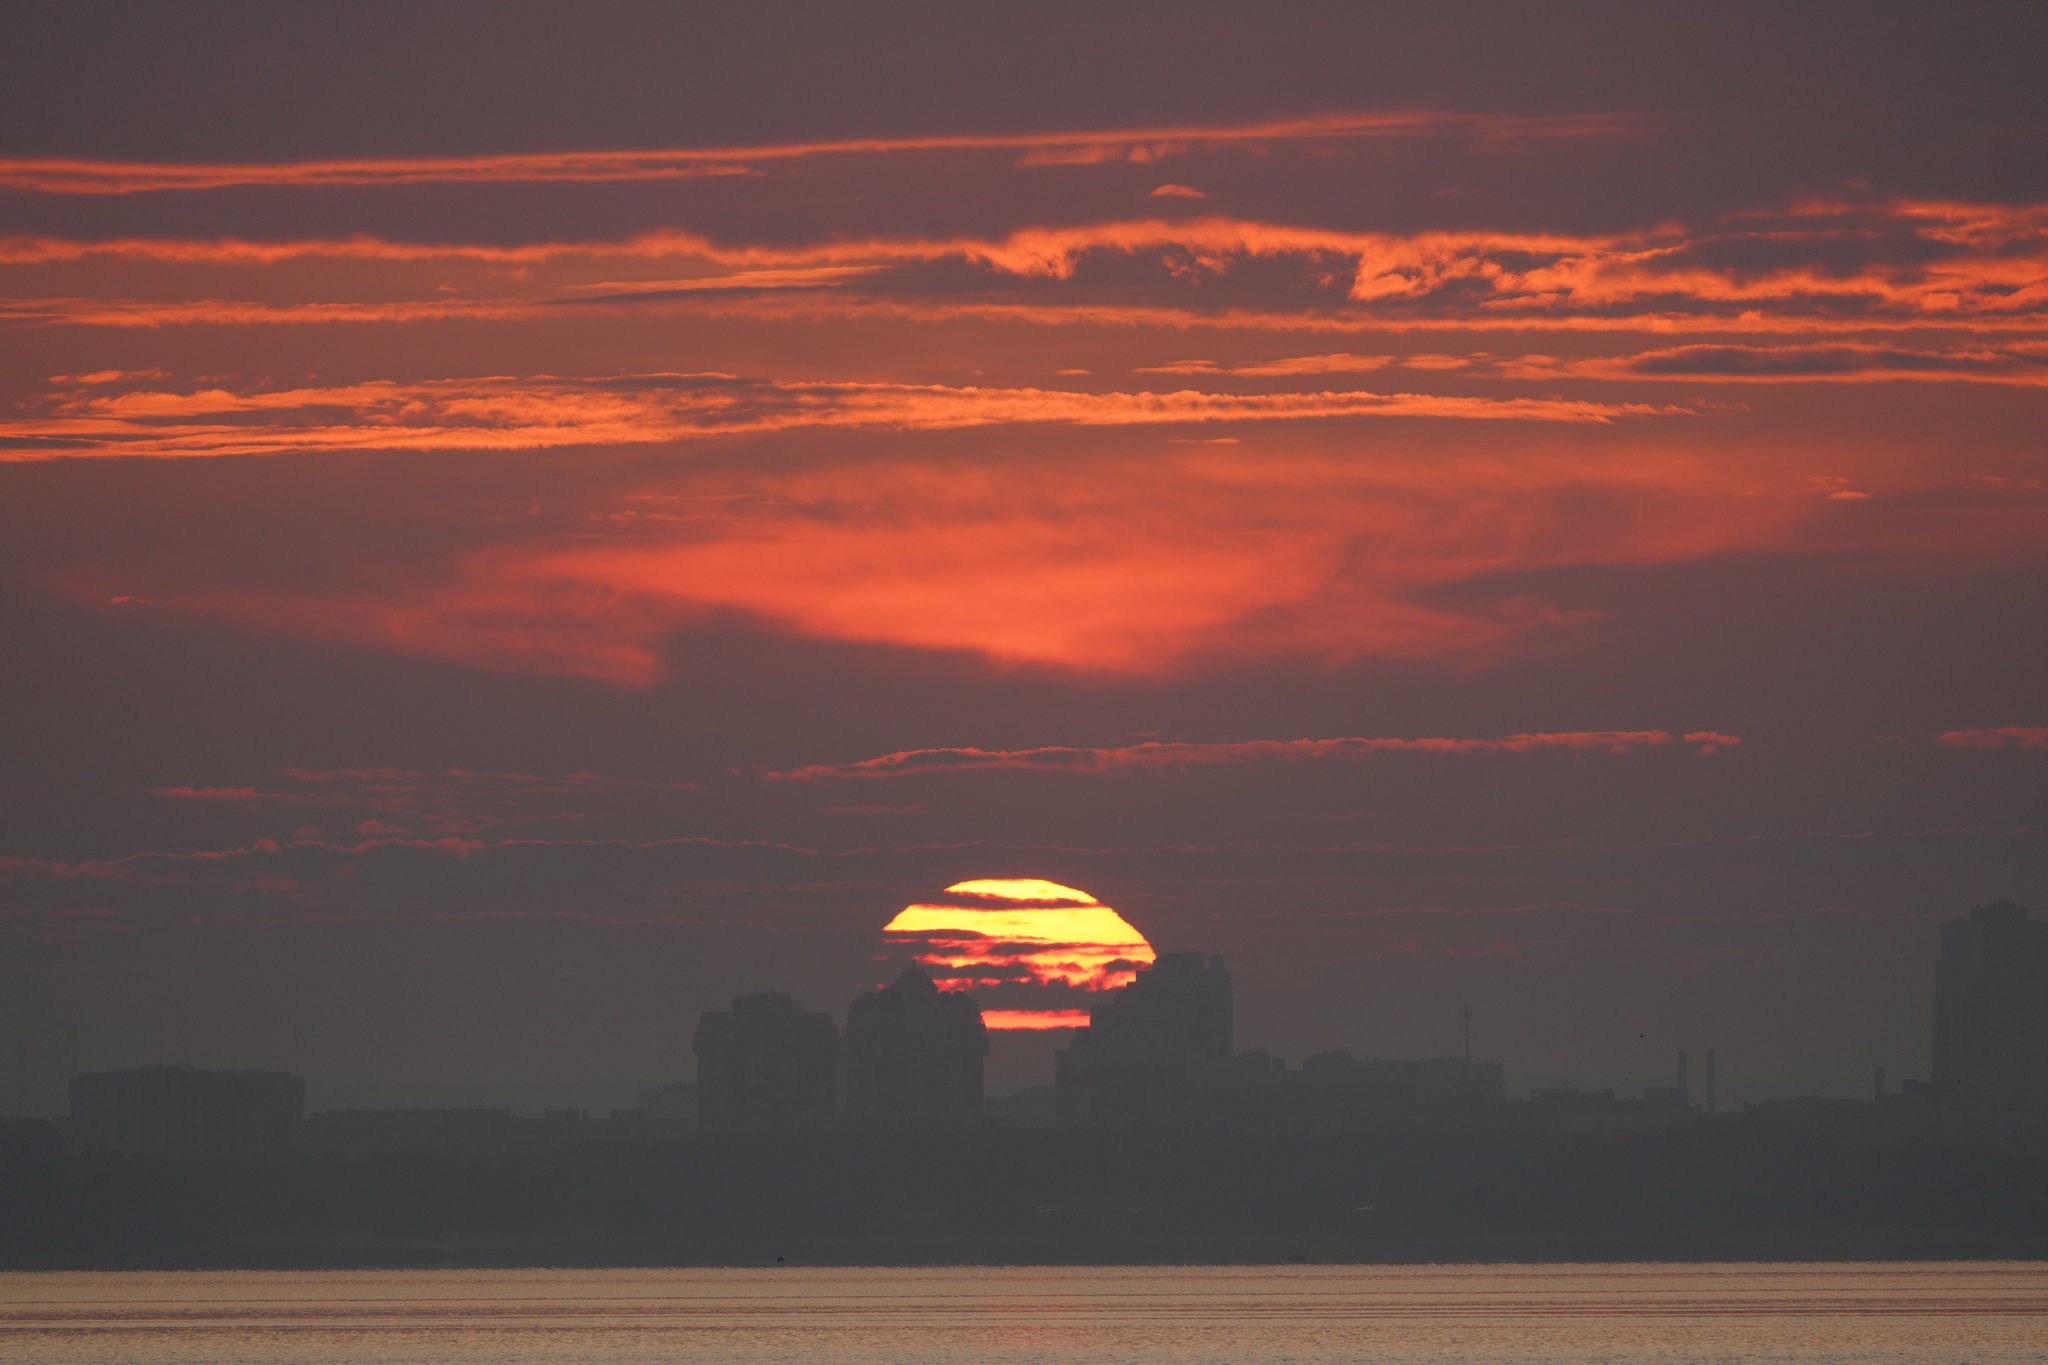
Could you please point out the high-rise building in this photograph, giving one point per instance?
(1991, 1014)
(914, 1056)
(766, 1063)
(1144, 1044)
(183, 1111)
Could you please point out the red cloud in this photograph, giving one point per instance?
(2017, 736)
(542, 412)
(77, 176)
(1088, 554)
(1970, 264)
(1035, 1020)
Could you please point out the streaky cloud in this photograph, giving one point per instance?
(78, 176)
(1155, 756)
(507, 413)
(1999, 737)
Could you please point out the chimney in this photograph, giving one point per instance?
(1878, 1078)
(1710, 1080)
(1468, 1033)
(1684, 1085)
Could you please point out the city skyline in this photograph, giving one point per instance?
(1157, 1051)
(1988, 1043)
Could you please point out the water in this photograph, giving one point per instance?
(1974, 1312)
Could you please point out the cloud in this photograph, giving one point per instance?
(1178, 192)
(2020, 362)
(502, 413)
(109, 376)
(453, 801)
(1915, 262)
(74, 176)
(243, 795)
(2015, 736)
(1339, 363)
(1019, 936)
(1085, 553)
(1034, 1020)
(1154, 756)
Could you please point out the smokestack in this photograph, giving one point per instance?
(1468, 1033)
(1710, 1080)
(1684, 1086)
(1879, 1078)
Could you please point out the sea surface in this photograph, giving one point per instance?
(1977, 1312)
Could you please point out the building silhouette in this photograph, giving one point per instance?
(767, 1063)
(181, 1111)
(1397, 1083)
(1675, 1097)
(1159, 1053)
(914, 1056)
(422, 1130)
(1147, 1046)
(1991, 1015)
(674, 1104)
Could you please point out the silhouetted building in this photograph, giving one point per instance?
(1146, 1044)
(1387, 1082)
(674, 1103)
(766, 1063)
(914, 1056)
(1991, 1014)
(661, 1113)
(1843, 1120)
(1568, 1109)
(1035, 1106)
(417, 1130)
(1675, 1097)
(183, 1111)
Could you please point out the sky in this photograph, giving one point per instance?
(519, 523)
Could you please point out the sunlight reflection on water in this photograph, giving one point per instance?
(1980, 1312)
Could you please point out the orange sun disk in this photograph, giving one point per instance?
(1001, 933)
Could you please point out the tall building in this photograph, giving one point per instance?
(1146, 1044)
(1991, 1014)
(914, 1056)
(183, 1111)
(766, 1063)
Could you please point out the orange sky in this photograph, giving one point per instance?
(1205, 479)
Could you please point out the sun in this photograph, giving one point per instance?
(1037, 948)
